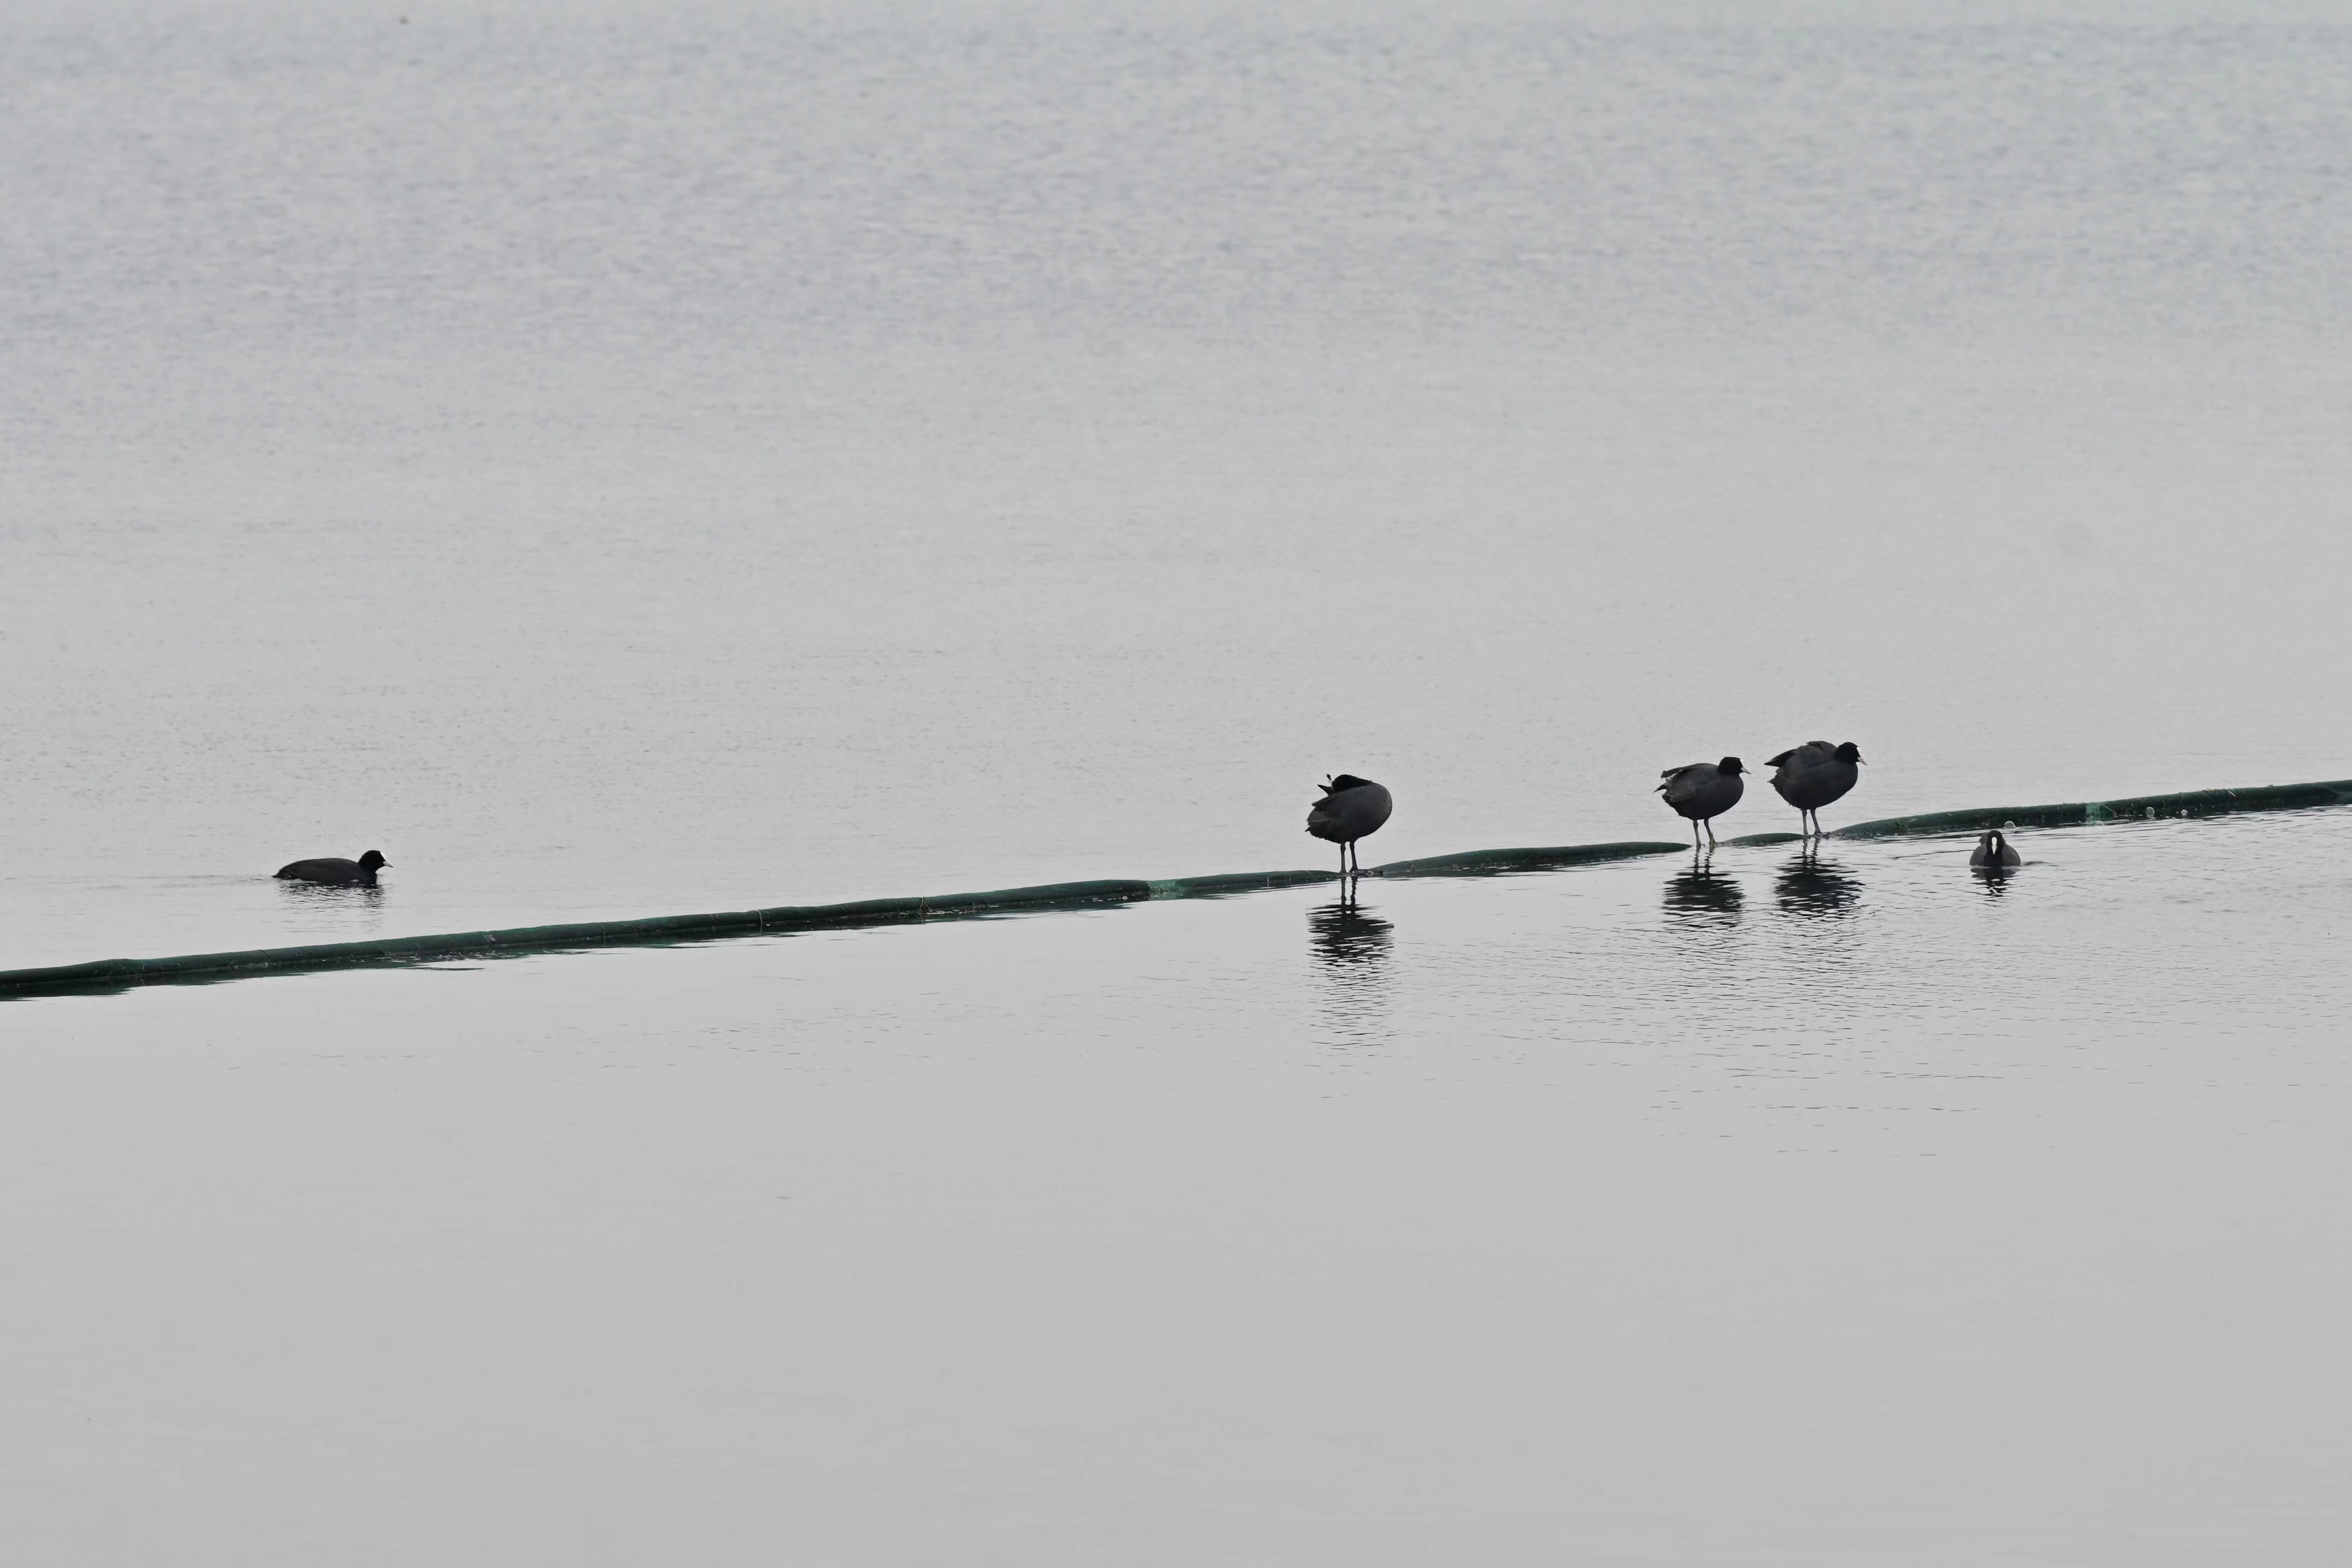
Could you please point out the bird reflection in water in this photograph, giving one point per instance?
(334, 895)
(1351, 950)
(1699, 897)
(1813, 889)
(1994, 880)
(344, 912)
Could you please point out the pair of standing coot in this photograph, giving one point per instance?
(331, 870)
(1808, 777)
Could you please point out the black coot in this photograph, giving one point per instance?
(1350, 808)
(332, 869)
(1993, 851)
(1812, 775)
(1703, 792)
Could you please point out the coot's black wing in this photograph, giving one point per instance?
(327, 869)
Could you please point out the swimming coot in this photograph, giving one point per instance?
(331, 868)
(1812, 775)
(1703, 792)
(1993, 851)
(1350, 808)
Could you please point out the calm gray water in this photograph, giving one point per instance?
(621, 460)
(1860, 1213)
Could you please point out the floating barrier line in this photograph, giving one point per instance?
(1493, 862)
(660, 931)
(115, 974)
(2138, 807)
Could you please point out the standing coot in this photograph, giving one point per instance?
(330, 868)
(1350, 808)
(1703, 792)
(1812, 775)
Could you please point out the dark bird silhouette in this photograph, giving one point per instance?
(1994, 851)
(1812, 775)
(1350, 808)
(1703, 792)
(331, 868)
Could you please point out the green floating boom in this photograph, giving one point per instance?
(660, 931)
(2078, 814)
(1496, 862)
(115, 974)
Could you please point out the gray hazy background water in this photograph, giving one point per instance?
(621, 460)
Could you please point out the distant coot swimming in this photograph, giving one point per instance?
(1812, 775)
(331, 868)
(1350, 808)
(1703, 792)
(1993, 851)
